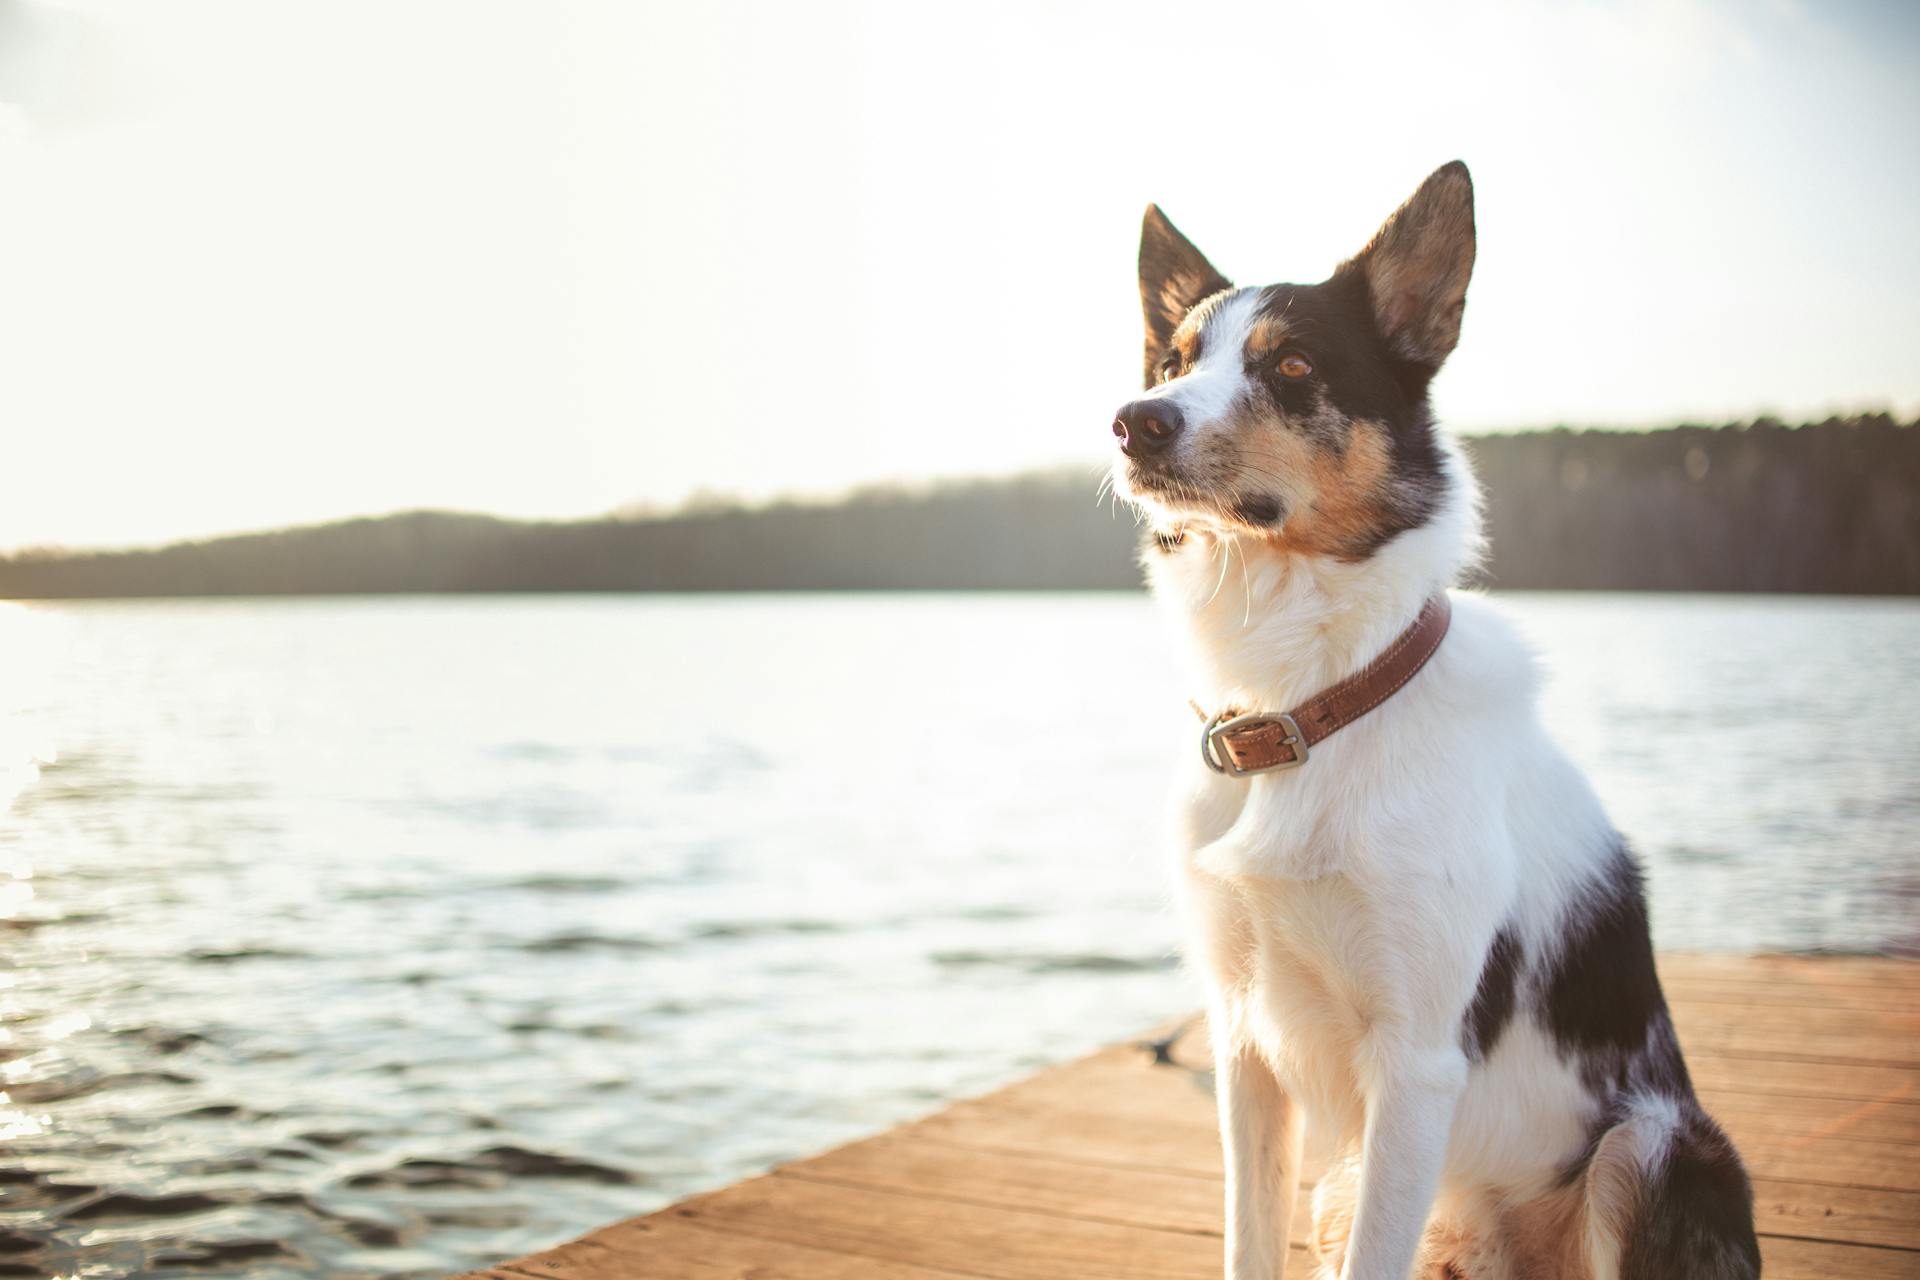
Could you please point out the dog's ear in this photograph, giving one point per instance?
(1417, 267)
(1173, 277)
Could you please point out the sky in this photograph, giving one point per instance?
(277, 261)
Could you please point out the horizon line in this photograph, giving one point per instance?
(704, 501)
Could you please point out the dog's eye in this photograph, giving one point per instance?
(1170, 368)
(1294, 366)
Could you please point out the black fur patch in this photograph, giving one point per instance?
(1695, 1217)
(1357, 373)
(1600, 997)
(1260, 508)
(1601, 991)
(1696, 1222)
(1332, 325)
(1492, 1008)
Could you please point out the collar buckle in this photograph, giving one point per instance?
(1226, 722)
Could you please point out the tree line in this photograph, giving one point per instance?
(1825, 507)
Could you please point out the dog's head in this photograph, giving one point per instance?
(1298, 413)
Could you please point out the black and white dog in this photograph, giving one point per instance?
(1427, 940)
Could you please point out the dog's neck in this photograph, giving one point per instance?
(1266, 628)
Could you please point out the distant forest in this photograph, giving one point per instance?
(1827, 507)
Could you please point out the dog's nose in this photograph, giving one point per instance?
(1147, 426)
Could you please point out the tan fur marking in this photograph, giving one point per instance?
(1476, 1239)
(1337, 481)
(1187, 343)
(1349, 495)
(1179, 294)
(1268, 336)
(1574, 1232)
(1543, 1237)
(1335, 1199)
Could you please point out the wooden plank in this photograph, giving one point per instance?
(1007, 1244)
(1136, 1197)
(1110, 1167)
(1854, 1215)
(1123, 1079)
(1802, 1035)
(1847, 1081)
(1889, 1119)
(1087, 1136)
(1789, 995)
(1871, 972)
(1782, 1258)
(665, 1246)
(1839, 1162)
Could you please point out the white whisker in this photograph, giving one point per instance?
(1246, 589)
(1226, 558)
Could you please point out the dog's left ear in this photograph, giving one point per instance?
(1418, 265)
(1173, 277)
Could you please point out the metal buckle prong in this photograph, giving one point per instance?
(1225, 723)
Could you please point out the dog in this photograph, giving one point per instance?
(1420, 936)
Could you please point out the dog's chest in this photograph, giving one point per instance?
(1302, 980)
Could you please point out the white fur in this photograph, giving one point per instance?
(1204, 394)
(1207, 390)
(1340, 913)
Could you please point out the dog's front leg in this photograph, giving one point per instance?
(1409, 1114)
(1260, 1134)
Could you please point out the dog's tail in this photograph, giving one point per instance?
(1668, 1199)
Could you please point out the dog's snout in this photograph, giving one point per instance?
(1147, 426)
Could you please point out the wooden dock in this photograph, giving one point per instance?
(1109, 1167)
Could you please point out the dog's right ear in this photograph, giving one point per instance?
(1173, 277)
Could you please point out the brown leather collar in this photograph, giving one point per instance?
(1258, 742)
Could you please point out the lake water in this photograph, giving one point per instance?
(391, 937)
